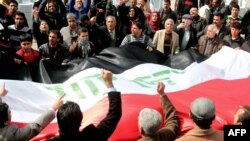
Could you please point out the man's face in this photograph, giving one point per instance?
(214, 3)
(211, 32)
(19, 21)
(135, 30)
(86, 23)
(187, 22)
(72, 22)
(53, 39)
(166, 5)
(26, 45)
(235, 32)
(193, 12)
(44, 26)
(217, 21)
(12, 8)
(169, 26)
(235, 12)
(140, 3)
(132, 3)
(78, 3)
(51, 7)
(110, 23)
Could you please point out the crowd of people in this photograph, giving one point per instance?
(81, 29)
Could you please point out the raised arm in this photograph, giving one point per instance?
(171, 120)
(34, 128)
(109, 123)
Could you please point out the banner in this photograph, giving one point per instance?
(28, 100)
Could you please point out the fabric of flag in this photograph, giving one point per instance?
(224, 78)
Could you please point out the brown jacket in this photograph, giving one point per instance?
(159, 38)
(198, 134)
(171, 123)
(203, 44)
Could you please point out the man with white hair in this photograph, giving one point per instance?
(166, 40)
(209, 44)
(149, 120)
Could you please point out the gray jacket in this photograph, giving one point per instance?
(13, 133)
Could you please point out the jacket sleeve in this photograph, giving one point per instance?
(41, 10)
(171, 120)
(107, 126)
(87, 7)
(71, 6)
(34, 128)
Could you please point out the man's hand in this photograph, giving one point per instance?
(160, 88)
(107, 77)
(3, 91)
(58, 103)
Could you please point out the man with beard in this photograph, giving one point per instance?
(54, 50)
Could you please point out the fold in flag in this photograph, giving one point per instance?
(224, 78)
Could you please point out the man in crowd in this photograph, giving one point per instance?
(11, 132)
(113, 35)
(234, 40)
(202, 112)
(54, 50)
(187, 34)
(150, 120)
(209, 44)
(69, 118)
(137, 35)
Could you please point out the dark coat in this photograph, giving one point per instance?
(104, 129)
(118, 36)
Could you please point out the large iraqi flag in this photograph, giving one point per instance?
(224, 78)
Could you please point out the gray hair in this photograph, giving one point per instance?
(149, 121)
(169, 20)
(112, 17)
(71, 16)
(213, 26)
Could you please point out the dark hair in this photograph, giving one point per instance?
(55, 31)
(237, 25)
(139, 24)
(4, 114)
(219, 14)
(13, 1)
(234, 5)
(84, 17)
(25, 37)
(82, 29)
(69, 117)
(207, 2)
(19, 13)
(167, 1)
(202, 123)
(245, 117)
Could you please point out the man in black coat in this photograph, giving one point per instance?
(113, 35)
(69, 118)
